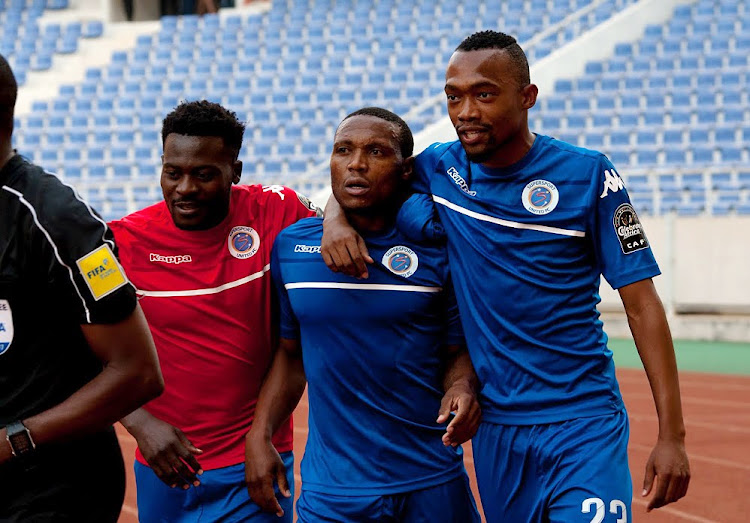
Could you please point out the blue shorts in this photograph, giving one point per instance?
(571, 471)
(446, 503)
(221, 496)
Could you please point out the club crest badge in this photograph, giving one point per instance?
(401, 260)
(243, 242)
(540, 197)
(6, 326)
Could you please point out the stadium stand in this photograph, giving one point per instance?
(292, 73)
(670, 110)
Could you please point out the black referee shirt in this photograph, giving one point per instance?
(57, 271)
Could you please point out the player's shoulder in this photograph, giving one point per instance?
(265, 195)
(566, 150)
(306, 228)
(143, 219)
(436, 151)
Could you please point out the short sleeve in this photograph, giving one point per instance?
(621, 245)
(293, 205)
(418, 219)
(79, 256)
(288, 324)
(424, 166)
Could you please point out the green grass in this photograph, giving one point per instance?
(696, 356)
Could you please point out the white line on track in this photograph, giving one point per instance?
(675, 512)
(699, 457)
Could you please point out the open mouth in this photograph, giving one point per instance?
(356, 187)
(471, 135)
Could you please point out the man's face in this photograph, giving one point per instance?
(486, 104)
(196, 178)
(367, 168)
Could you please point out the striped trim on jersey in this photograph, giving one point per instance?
(507, 223)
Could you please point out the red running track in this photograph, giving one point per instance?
(717, 417)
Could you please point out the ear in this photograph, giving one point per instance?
(529, 94)
(237, 172)
(407, 169)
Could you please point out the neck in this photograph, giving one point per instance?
(513, 151)
(6, 152)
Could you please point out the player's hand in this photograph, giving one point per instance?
(343, 249)
(263, 465)
(170, 453)
(669, 464)
(461, 400)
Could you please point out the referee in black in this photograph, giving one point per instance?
(76, 353)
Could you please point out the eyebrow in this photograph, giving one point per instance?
(478, 85)
(377, 142)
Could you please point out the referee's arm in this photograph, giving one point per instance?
(131, 377)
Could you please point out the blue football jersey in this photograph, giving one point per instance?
(527, 246)
(372, 356)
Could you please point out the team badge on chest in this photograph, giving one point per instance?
(401, 260)
(6, 326)
(243, 242)
(540, 197)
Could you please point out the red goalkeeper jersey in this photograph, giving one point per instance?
(207, 298)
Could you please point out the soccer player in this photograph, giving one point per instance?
(200, 263)
(532, 224)
(75, 351)
(382, 358)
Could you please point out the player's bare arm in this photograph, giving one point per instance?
(343, 249)
(165, 448)
(130, 378)
(668, 462)
(461, 386)
(280, 394)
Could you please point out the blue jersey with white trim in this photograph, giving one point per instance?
(372, 352)
(527, 246)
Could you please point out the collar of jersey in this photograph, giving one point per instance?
(511, 170)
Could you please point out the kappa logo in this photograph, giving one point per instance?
(453, 173)
(275, 189)
(178, 259)
(612, 182)
(311, 249)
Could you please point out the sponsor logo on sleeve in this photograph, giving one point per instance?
(243, 242)
(612, 182)
(6, 326)
(629, 229)
(453, 173)
(310, 249)
(540, 197)
(275, 189)
(176, 260)
(304, 200)
(401, 260)
(101, 272)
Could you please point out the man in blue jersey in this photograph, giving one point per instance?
(382, 358)
(532, 224)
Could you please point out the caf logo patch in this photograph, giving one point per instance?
(401, 261)
(540, 197)
(629, 229)
(243, 242)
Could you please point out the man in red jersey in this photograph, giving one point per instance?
(200, 263)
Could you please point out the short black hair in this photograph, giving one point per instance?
(204, 118)
(405, 138)
(8, 95)
(501, 41)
